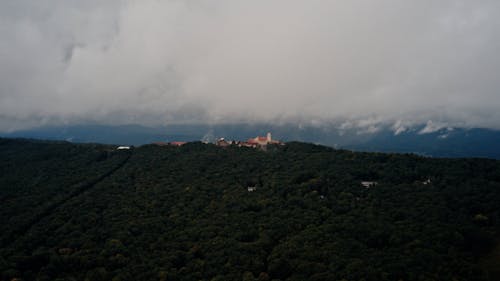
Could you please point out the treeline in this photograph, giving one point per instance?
(185, 213)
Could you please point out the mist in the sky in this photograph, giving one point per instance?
(162, 62)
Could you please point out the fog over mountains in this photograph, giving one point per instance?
(381, 112)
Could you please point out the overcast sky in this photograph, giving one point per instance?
(159, 62)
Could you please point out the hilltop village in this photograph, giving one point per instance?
(257, 142)
(253, 142)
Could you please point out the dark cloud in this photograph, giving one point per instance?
(358, 63)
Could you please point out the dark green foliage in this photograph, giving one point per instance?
(89, 212)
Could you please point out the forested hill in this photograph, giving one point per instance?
(91, 212)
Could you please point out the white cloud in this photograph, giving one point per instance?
(400, 127)
(201, 61)
(432, 127)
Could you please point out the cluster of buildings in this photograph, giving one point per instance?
(253, 142)
(257, 142)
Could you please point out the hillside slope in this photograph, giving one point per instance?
(444, 142)
(89, 212)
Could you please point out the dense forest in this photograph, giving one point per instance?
(202, 212)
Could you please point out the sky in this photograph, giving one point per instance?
(152, 62)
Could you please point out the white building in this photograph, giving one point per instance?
(368, 184)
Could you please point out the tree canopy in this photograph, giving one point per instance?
(90, 212)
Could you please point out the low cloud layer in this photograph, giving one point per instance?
(161, 62)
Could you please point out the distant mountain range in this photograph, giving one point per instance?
(438, 142)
